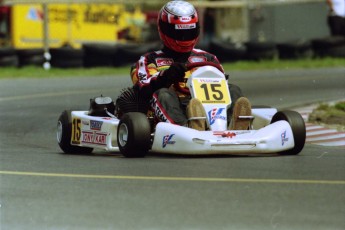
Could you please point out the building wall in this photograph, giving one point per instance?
(286, 22)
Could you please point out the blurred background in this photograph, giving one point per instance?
(86, 33)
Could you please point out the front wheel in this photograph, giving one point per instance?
(298, 129)
(134, 135)
(64, 133)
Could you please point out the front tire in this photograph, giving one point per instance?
(134, 135)
(298, 129)
(64, 132)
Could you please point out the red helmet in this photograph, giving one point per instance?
(178, 26)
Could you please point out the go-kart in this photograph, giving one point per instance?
(112, 127)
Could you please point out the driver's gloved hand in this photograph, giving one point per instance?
(174, 74)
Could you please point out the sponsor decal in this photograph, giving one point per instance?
(95, 138)
(242, 132)
(284, 138)
(167, 140)
(209, 80)
(164, 61)
(185, 19)
(214, 114)
(35, 14)
(185, 26)
(225, 134)
(142, 76)
(96, 125)
(153, 102)
(158, 113)
(85, 122)
(197, 59)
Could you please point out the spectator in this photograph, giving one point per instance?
(336, 17)
(209, 25)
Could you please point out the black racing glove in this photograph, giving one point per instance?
(174, 74)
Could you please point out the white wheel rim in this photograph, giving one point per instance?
(123, 135)
(59, 132)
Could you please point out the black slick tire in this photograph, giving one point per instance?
(298, 129)
(64, 132)
(134, 135)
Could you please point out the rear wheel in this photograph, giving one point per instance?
(63, 135)
(134, 135)
(298, 129)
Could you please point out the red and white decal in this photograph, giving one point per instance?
(95, 138)
(185, 19)
(185, 26)
(224, 134)
(197, 59)
(164, 61)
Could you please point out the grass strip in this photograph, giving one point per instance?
(38, 72)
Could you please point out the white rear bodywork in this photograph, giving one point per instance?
(95, 132)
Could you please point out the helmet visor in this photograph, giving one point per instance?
(180, 32)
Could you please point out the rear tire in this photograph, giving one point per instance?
(134, 135)
(298, 129)
(64, 132)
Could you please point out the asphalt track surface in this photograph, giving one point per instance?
(41, 188)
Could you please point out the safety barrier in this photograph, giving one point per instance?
(97, 55)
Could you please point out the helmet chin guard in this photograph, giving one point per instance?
(179, 46)
(178, 26)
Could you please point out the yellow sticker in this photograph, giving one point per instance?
(76, 131)
(212, 91)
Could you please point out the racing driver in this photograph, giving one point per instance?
(160, 75)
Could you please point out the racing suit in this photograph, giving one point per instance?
(168, 103)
